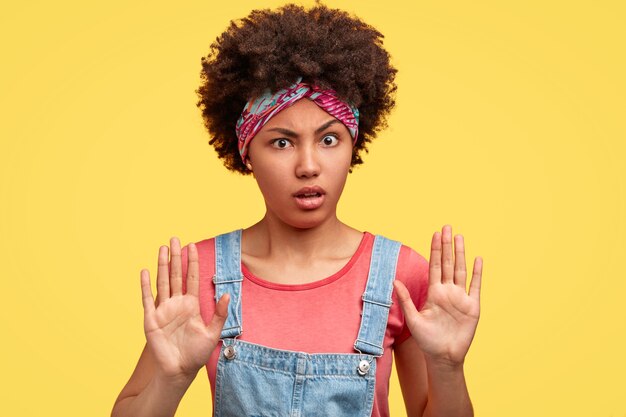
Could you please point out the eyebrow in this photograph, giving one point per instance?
(293, 134)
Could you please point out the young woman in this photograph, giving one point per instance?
(292, 97)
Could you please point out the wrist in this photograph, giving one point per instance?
(180, 381)
(444, 365)
(447, 390)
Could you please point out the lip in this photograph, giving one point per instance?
(310, 190)
(309, 203)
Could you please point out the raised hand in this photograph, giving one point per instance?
(175, 332)
(446, 325)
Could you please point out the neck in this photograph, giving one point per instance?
(272, 237)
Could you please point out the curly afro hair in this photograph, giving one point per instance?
(271, 48)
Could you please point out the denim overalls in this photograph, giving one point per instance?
(258, 381)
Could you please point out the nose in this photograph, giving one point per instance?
(308, 165)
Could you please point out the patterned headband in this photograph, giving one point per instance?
(260, 110)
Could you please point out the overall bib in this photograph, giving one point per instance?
(258, 381)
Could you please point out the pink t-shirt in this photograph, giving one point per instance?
(316, 317)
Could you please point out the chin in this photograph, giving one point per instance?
(307, 223)
(305, 219)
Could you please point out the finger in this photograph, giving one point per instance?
(176, 269)
(434, 265)
(219, 317)
(146, 293)
(163, 275)
(406, 303)
(476, 278)
(447, 259)
(193, 270)
(460, 272)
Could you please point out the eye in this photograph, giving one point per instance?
(330, 140)
(281, 143)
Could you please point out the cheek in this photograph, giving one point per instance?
(339, 181)
(340, 168)
(270, 181)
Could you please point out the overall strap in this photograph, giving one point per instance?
(228, 278)
(377, 296)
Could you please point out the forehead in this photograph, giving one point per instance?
(302, 114)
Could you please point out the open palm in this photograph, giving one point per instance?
(175, 331)
(446, 325)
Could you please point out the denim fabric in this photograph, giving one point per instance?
(227, 279)
(377, 296)
(259, 381)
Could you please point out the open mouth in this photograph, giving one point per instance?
(309, 195)
(309, 201)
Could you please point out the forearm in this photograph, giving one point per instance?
(447, 392)
(160, 398)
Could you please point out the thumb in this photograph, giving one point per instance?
(219, 317)
(406, 303)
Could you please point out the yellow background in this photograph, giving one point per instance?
(509, 125)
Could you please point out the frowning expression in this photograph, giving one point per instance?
(300, 160)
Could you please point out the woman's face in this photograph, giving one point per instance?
(300, 147)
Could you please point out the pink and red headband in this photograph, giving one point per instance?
(260, 110)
